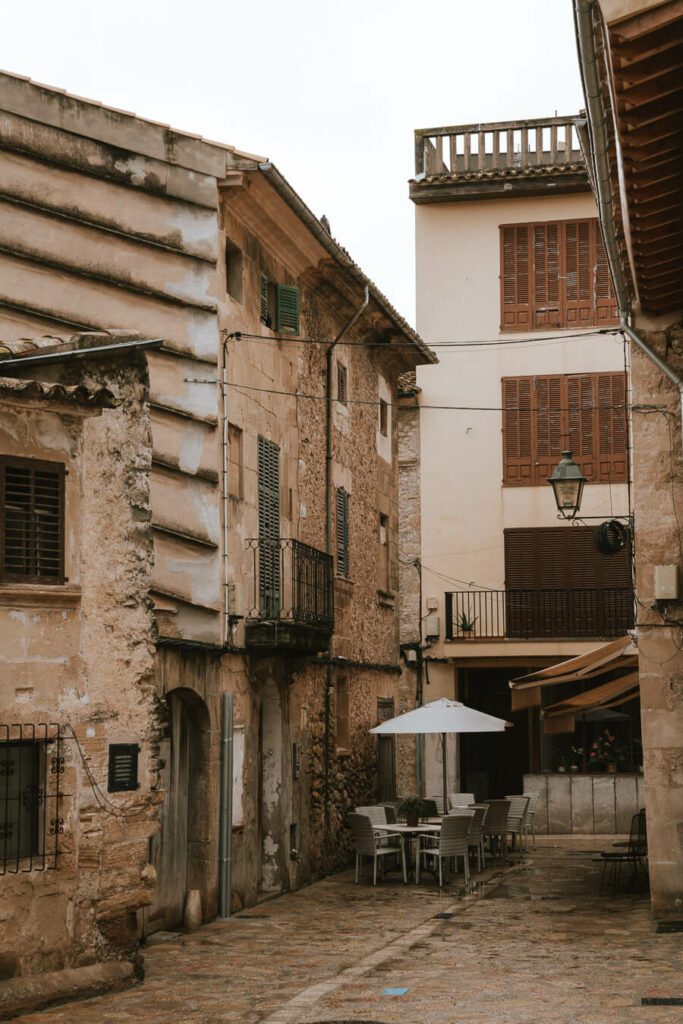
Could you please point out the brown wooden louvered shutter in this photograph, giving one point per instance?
(580, 401)
(546, 250)
(515, 261)
(518, 462)
(610, 456)
(605, 301)
(32, 523)
(579, 259)
(549, 425)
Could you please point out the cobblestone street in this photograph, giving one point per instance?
(534, 943)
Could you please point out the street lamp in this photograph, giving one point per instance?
(567, 481)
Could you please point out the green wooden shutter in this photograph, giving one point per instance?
(269, 527)
(342, 532)
(286, 309)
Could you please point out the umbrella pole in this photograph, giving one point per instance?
(445, 773)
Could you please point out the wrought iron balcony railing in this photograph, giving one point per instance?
(538, 614)
(497, 146)
(293, 583)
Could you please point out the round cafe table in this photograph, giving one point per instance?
(409, 832)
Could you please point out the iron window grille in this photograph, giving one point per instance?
(32, 520)
(31, 821)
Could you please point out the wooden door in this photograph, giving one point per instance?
(386, 761)
(168, 849)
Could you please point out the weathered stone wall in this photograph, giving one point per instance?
(658, 493)
(80, 655)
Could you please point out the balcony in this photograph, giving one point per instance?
(292, 602)
(498, 159)
(538, 614)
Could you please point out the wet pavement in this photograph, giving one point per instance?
(533, 943)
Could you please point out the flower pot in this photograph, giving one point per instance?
(574, 768)
(611, 768)
(412, 820)
(562, 769)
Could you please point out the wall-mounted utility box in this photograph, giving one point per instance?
(666, 583)
(432, 627)
(432, 604)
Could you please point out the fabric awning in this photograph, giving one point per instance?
(617, 655)
(560, 717)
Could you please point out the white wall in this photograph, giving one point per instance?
(465, 508)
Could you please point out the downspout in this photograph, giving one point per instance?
(329, 685)
(225, 810)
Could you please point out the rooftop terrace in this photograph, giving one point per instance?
(498, 159)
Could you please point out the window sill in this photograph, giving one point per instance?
(31, 595)
(386, 598)
(343, 752)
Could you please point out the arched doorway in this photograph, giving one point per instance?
(177, 852)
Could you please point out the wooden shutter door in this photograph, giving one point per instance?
(610, 418)
(581, 401)
(605, 301)
(579, 250)
(546, 304)
(518, 464)
(269, 527)
(549, 426)
(515, 261)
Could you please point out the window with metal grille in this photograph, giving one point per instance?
(555, 275)
(286, 309)
(264, 300)
(32, 524)
(342, 384)
(31, 767)
(543, 416)
(342, 532)
(269, 527)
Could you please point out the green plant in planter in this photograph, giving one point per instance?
(465, 624)
(410, 808)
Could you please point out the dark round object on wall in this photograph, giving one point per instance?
(611, 537)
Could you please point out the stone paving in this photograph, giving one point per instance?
(535, 943)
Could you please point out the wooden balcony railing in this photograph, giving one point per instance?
(501, 145)
(538, 614)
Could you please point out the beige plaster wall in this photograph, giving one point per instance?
(465, 508)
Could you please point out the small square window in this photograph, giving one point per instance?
(383, 417)
(123, 767)
(342, 384)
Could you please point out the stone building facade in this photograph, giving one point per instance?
(110, 220)
(632, 141)
(77, 692)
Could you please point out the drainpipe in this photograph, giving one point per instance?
(225, 812)
(328, 535)
(224, 495)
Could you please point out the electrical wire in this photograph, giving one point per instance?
(104, 803)
(498, 343)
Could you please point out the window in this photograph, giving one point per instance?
(342, 733)
(235, 462)
(383, 417)
(558, 584)
(123, 767)
(384, 577)
(286, 309)
(269, 527)
(543, 416)
(264, 300)
(554, 275)
(32, 526)
(31, 768)
(233, 270)
(342, 384)
(342, 532)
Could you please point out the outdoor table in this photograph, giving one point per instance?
(409, 832)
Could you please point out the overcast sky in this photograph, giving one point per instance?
(330, 92)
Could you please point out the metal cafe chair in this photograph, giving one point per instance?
(634, 856)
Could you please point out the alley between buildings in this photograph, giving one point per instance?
(534, 942)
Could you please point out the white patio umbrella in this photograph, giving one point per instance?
(444, 717)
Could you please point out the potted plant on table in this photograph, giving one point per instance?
(410, 808)
(605, 753)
